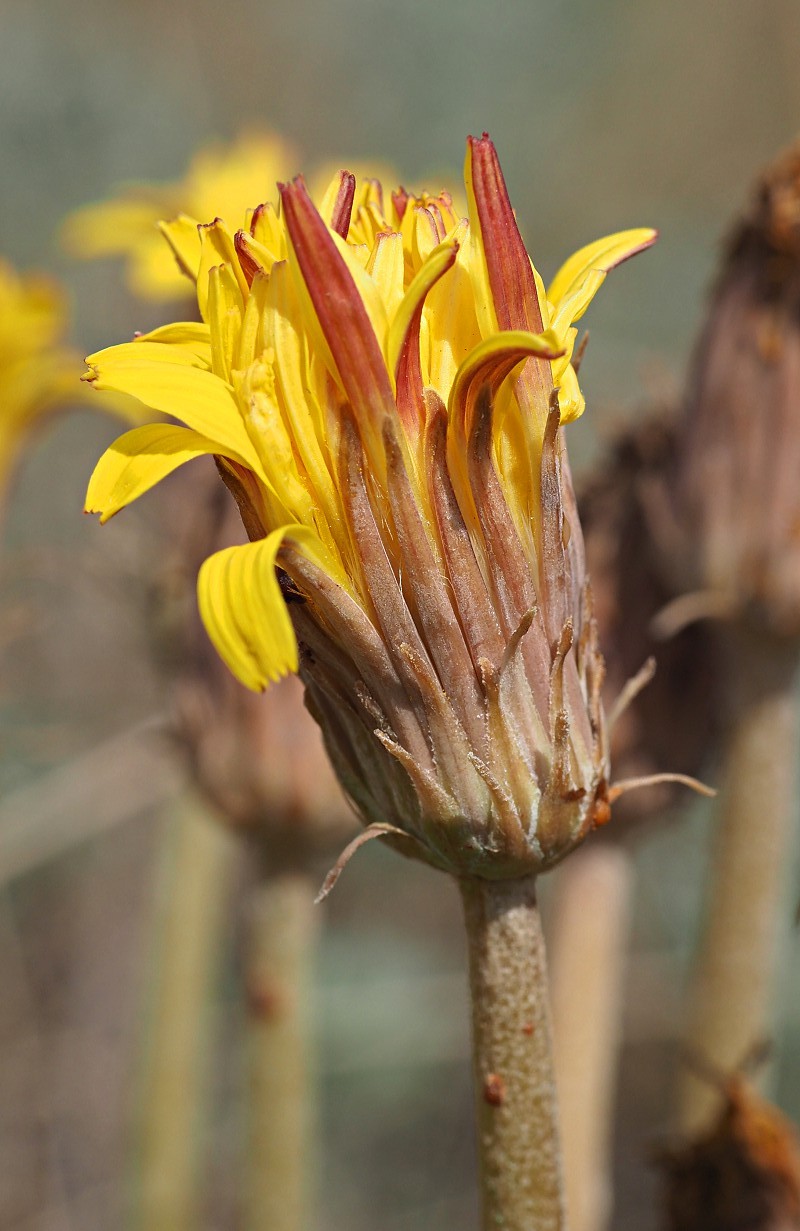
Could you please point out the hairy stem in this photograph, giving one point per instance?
(281, 944)
(594, 892)
(733, 984)
(517, 1121)
(195, 880)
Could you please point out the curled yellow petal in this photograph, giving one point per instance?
(244, 609)
(438, 263)
(492, 360)
(137, 461)
(245, 613)
(602, 255)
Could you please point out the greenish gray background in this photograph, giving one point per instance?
(606, 115)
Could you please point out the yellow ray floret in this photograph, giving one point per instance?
(221, 181)
(39, 374)
(140, 459)
(243, 607)
(244, 612)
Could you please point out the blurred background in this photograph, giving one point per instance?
(630, 113)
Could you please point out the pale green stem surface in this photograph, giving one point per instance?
(281, 943)
(517, 1121)
(195, 877)
(594, 888)
(734, 980)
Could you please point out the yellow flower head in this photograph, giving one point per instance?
(382, 384)
(38, 373)
(220, 180)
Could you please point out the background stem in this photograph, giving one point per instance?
(748, 917)
(517, 1121)
(281, 942)
(590, 943)
(195, 880)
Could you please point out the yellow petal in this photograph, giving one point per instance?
(247, 343)
(245, 613)
(576, 301)
(386, 266)
(107, 227)
(570, 398)
(192, 336)
(217, 247)
(225, 311)
(450, 315)
(153, 272)
(251, 251)
(137, 461)
(146, 350)
(328, 198)
(367, 288)
(257, 395)
(437, 263)
(492, 360)
(336, 206)
(200, 400)
(267, 229)
(602, 255)
(302, 413)
(183, 238)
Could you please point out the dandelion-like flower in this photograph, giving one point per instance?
(383, 385)
(221, 179)
(38, 372)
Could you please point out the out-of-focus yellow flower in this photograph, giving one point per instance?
(222, 181)
(382, 383)
(38, 373)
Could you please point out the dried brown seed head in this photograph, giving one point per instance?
(737, 494)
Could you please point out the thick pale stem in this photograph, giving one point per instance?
(195, 883)
(590, 936)
(517, 1121)
(733, 986)
(281, 944)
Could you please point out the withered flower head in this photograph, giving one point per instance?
(675, 720)
(737, 491)
(384, 384)
(742, 1174)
